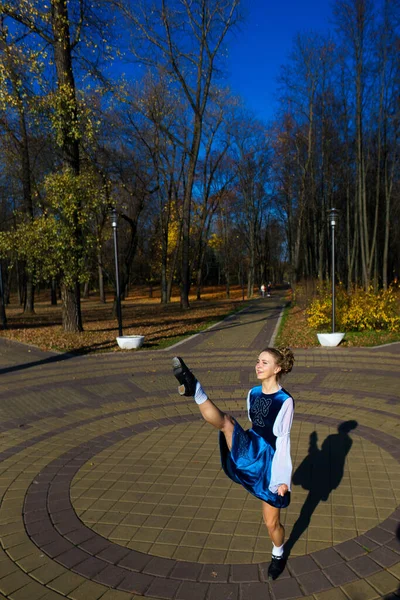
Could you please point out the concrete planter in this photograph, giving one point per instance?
(130, 342)
(330, 339)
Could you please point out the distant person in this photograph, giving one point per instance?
(269, 286)
(262, 290)
(258, 458)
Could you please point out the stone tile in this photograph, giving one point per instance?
(160, 567)
(95, 545)
(327, 557)
(366, 543)
(118, 595)
(209, 555)
(379, 535)
(136, 583)
(163, 588)
(364, 566)
(314, 582)
(286, 589)
(384, 556)
(360, 590)
(215, 573)
(32, 591)
(340, 574)
(113, 553)
(394, 545)
(111, 576)
(244, 573)
(89, 590)
(186, 571)
(223, 591)
(184, 553)
(89, 567)
(254, 591)
(350, 550)
(390, 525)
(395, 570)
(383, 582)
(335, 594)
(135, 561)
(66, 583)
(302, 564)
(193, 591)
(47, 572)
(13, 582)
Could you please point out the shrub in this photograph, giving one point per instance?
(358, 311)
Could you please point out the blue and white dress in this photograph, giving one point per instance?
(260, 457)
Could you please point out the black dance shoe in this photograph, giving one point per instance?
(185, 377)
(276, 567)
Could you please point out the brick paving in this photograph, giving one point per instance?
(111, 486)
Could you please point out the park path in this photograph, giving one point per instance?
(111, 486)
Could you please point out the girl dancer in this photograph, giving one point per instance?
(259, 458)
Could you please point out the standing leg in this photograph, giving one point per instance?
(271, 516)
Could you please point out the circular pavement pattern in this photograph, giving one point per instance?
(112, 489)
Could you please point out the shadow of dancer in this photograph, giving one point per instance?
(320, 472)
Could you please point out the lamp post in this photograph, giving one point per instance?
(114, 225)
(333, 217)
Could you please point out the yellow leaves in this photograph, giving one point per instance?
(216, 242)
(58, 241)
(357, 311)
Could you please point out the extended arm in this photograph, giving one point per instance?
(281, 469)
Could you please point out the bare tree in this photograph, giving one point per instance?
(186, 38)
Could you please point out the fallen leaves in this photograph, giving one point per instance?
(161, 325)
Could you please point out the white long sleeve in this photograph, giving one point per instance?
(281, 468)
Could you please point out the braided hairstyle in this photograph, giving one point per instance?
(284, 358)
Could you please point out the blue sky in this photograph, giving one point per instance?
(264, 42)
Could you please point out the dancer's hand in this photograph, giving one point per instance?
(282, 489)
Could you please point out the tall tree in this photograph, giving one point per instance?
(62, 26)
(186, 38)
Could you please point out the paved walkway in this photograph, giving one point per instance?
(112, 488)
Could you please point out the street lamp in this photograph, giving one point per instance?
(333, 218)
(114, 225)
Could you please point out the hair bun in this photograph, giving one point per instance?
(287, 359)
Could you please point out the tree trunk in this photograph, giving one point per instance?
(101, 281)
(53, 292)
(30, 295)
(187, 203)
(68, 125)
(71, 308)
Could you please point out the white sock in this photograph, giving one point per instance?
(200, 396)
(277, 551)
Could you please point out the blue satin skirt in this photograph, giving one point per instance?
(249, 464)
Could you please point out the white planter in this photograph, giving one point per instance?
(330, 339)
(130, 342)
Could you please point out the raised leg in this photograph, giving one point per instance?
(190, 386)
(218, 419)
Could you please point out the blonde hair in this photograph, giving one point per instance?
(284, 358)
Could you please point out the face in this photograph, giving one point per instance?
(266, 367)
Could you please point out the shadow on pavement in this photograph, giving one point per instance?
(320, 472)
(106, 345)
